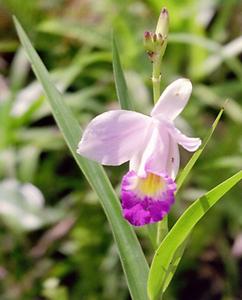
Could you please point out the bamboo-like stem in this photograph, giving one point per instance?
(156, 79)
(162, 230)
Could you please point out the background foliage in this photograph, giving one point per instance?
(55, 240)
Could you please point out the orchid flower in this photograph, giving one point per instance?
(150, 144)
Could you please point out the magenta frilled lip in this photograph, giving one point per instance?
(146, 200)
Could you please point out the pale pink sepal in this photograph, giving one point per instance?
(173, 100)
(189, 143)
(114, 137)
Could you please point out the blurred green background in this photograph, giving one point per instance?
(55, 242)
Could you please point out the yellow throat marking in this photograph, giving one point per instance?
(151, 185)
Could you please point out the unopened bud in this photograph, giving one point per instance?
(147, 35)
(163, 23)
(148, 41)
(155, 42)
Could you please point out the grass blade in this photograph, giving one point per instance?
(194, 158)
(120, 83)
(161, 264)
(132, 258)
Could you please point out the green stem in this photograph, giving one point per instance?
(162, 230)
(156, 78)
(151, 231)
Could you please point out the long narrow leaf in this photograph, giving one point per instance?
(160, 267)
(173, 265)
(132, 257)
(194, 158)
(120, 83)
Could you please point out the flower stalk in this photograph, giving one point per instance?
(155, 45)
(162, 230)
(156, 79)
(161, 30)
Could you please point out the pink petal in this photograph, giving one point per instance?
(113, 137)
(190, 144)
(173, 100)
(153, 157)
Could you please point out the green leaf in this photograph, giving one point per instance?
(161, 264)
(174, 264)
(120, 83)
(132, 257)
(194, 158)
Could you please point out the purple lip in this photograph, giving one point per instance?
(146, 201)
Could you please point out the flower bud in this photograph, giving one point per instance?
(148, 41)
(155, 42)
(163, 23)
